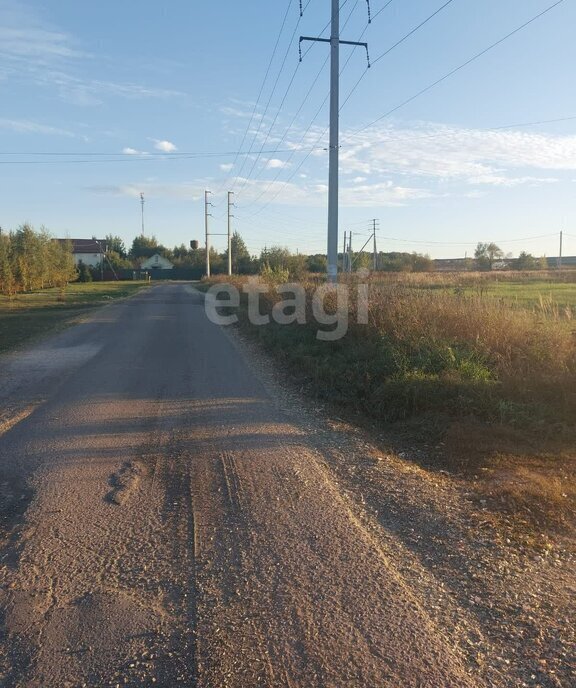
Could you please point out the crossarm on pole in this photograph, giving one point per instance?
(329, 40)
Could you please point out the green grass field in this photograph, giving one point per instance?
(533, 294)
(31, 315)
(528, 290)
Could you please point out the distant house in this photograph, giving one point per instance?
(156, 262)
(87, 251)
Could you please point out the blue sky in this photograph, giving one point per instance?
(102, 101)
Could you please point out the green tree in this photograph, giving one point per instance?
(117, 261)
(543, 263)
(275, 257)
(317, 263)
(62, 262)
(7, 282)
(242, 262)
(84, 274)
(145, 247)
(526, 261)
(116, 245)
(422, 263)
(487, 254)
(32, 260)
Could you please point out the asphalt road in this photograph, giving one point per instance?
(164, 523)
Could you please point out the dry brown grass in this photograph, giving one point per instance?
(496, 384)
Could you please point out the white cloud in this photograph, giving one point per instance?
(164, 146)
(226, 167)
(133, 151)
(275, 164)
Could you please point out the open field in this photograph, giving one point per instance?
(33, 314)
(538, 290)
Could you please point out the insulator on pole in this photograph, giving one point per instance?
(369, 12)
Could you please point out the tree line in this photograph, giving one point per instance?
(32, 260)
(272, 258)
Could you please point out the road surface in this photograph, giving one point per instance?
(166, 523)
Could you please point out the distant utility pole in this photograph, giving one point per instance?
(335, 43)
(344, 254)
(230, 205)
(560, 253)
(206, 216)
(350, 253)
(142, 201)
(374, 228)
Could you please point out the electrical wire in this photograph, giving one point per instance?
(382, 9)
(465, 243)
(314, 118)
(459, 68)
(288, 128)
(271, 61)
(392, 47)
(127, 157)
(98, 159)
(279, 109)
(261, 120)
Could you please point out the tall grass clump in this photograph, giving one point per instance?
(435, 352)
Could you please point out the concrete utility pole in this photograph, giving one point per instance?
(344, 254)
(374, 228)
(335, 43)
(333, 176)
(142, 201)
(560, 253)
(230, 205)
(206, 216)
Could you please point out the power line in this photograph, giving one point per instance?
(190, 156)
(288, 128)
(467, 243)
(277, 80)
(459, 68)
(314, 118)
(263, 82)
(392, 47)
(382, 9)
(279, 109)
(450, 134)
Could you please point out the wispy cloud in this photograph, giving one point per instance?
(22, 126)
(193, 191)
(226, 167)
(34, 50)
(441, 153)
